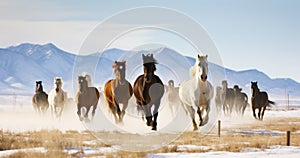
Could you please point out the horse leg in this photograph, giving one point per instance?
(200, 117)
(192, 115)
(155, 114)
(253, 109)
(263, 112)
(147, 110)
(86, 115)
(123, 111)
(259, 113)
(94, 110)
(79, 111)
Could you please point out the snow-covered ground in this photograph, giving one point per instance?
(274, 151)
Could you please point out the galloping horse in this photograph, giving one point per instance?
(241, 100)
(259, 100)
(57, 98)
(172, 96)
(118, 91)
(229, 98)
(86, 97)
(148, 90)
(197, 92)
(40, 98)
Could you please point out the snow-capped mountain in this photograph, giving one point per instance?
(22, 65)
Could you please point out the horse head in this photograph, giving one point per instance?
(254, 89)
(171, 83)
(202, 67)
(58, 83)
(149, 67)
(236, 88)
(83, 84)
(120, 71)
(38, 86)
(224, 84)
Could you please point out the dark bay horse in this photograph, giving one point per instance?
(118, 91)
(86, 97)
(40, 98)
(148, 90)
(259, 100)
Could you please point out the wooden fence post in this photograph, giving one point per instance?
(288, 138)
(219, 128)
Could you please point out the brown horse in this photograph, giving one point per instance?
(148, 90)
(229, 97)
(118, 91)
(259, 101)
(86, 97)
(40, 99)
(241, 100)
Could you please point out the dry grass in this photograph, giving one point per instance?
(55, 141)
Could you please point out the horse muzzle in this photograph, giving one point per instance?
(203, 78)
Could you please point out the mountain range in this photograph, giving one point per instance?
(22, 65)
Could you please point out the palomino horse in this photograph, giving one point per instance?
(148, 90)
(241, 100)
(172, 96)
(57, 98)
(229, 98)
(86, 97)
(259, 100)
(197, 92)
(118, 91)
(40, 98)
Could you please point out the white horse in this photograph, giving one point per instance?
(197, 92)
(57, 98)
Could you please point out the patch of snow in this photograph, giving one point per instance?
(274, 151)
(10, 152)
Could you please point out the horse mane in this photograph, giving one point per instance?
(41, 89)
(88, 78)
(149, 60)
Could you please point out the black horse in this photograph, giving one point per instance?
(40, 98)
(148, 90)
(259, 100)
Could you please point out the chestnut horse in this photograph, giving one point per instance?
(86, 97)
(259, 100)
(118, 91)
(148, 90)
(40, 98)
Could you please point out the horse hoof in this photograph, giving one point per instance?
(195, 128)
(81, 119)
(154, 128)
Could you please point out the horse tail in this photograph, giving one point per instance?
(271, 102)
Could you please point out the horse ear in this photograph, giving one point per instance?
(198, 56)
(151, 55)
(206, 56)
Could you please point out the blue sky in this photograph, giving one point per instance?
(263, 35)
